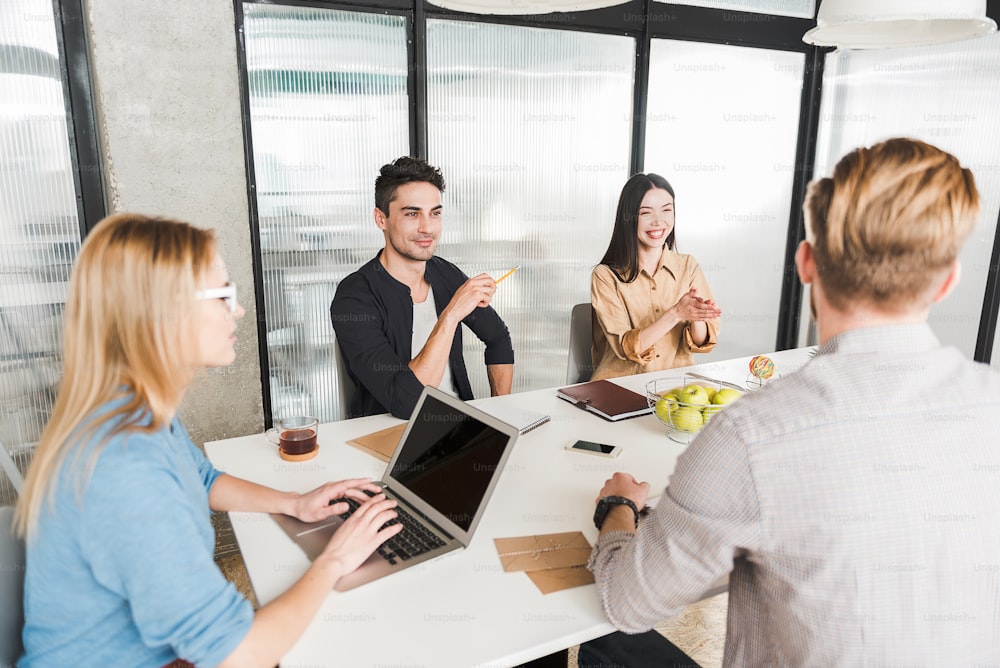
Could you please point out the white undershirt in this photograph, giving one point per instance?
(424, 319)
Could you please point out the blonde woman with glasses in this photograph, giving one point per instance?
(120, 568)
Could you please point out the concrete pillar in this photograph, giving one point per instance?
(166, 84)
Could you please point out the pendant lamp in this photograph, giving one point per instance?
(878, 24)
(524, 6)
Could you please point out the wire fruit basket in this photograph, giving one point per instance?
(685, 404)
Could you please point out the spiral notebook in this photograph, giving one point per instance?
(524, 420)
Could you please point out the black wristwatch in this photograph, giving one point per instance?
(607, 503)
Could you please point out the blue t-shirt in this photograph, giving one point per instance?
(127, 577)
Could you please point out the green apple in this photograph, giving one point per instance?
(693, 395)
(687, 419)
(711, 393)
(722, 397)
(726, 395)
(665, 406)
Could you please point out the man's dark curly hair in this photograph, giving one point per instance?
(400, 172)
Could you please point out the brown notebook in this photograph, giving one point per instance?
(602, 397)
(381, 443)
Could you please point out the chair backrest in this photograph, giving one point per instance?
(11, 589)
(8, 467)
(345, 386)
(580, 366)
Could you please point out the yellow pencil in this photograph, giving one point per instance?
(508, 274)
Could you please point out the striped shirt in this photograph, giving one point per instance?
(855, 505)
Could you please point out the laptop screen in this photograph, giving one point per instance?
(449, 458)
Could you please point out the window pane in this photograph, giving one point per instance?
(328, 107)
(947, 96)
(39, 229)
(531, 128)
(801, 8)
(722, 124)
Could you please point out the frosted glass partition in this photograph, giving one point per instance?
(531, 128)
(800, 8)
(721, 127)
(946, 95)
(39, 229)
(328, 107)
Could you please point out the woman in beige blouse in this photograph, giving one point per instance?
(652, 305)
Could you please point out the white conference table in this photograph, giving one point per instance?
(463, 609)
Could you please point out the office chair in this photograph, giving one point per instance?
(580, 366)
(11, 589)
(345, 386)
(9, 468)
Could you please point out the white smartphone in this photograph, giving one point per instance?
(592, 448)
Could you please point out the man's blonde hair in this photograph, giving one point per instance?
(889, 222)
(128, 312)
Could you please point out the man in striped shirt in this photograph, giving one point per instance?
(855, 503)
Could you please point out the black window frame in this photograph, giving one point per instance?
(81, 112)
(643, 20)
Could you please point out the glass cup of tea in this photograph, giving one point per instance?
(295, 437)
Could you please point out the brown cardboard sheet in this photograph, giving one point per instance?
(553, 561)
(382, 443)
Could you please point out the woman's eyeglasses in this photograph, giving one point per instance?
(226, 293)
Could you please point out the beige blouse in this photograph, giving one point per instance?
(622, 309)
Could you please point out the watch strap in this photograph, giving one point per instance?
(606, 503)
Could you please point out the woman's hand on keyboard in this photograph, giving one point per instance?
(327, 499)
(360, 535)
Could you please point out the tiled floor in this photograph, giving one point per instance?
(700, 630)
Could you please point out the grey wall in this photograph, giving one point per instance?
(167, 88)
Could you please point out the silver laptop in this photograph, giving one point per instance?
(442, 474)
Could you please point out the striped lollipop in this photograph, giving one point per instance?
(762, 367)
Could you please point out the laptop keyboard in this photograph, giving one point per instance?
(415, 539)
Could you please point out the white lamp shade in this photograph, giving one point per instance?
(524, 6)
(875, 24)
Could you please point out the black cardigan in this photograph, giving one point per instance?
(372, 316)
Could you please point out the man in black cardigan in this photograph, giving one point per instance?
(397, 319)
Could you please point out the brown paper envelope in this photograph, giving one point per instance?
(557, 579)
(381, 443)
(543, 552)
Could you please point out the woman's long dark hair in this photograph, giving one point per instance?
(622, 256)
